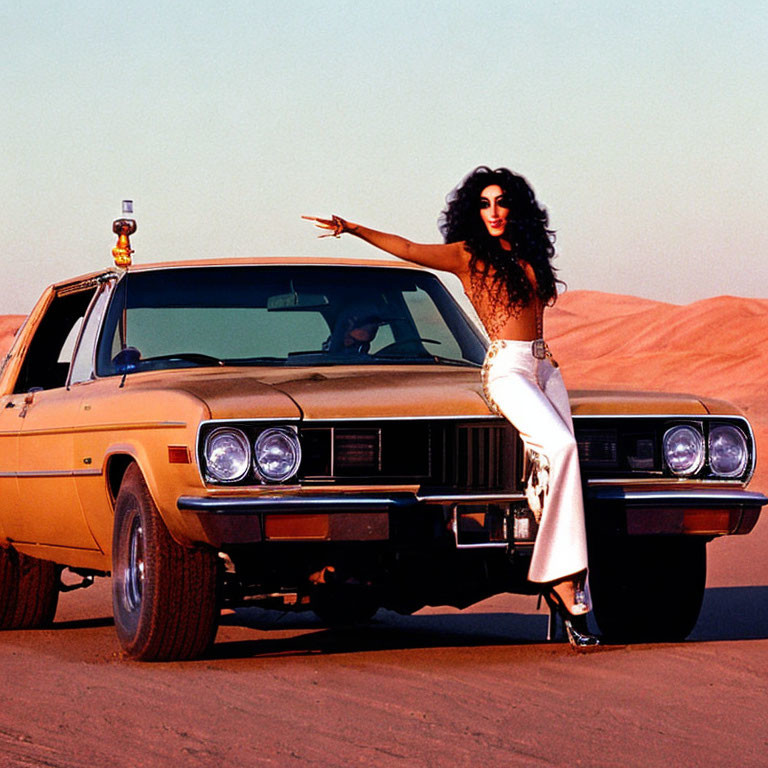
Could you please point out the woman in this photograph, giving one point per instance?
(498, 244)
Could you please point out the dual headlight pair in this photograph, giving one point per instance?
(726, 450)
(276, 452)
(229, 456)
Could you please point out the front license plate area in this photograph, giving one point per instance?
(493, 525)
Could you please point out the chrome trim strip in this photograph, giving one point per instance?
(287, 504)
(303, 503)
(470, 498)
(270, 419)
(103, 428)
(688, 416)
(685, 498)
(333, 420)
(488, 417)
(86, 285)
(279, 261)
(54, 473)
(61, 547)
(672, 482)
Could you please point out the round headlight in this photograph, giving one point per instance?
(227, 455)
(684, 449)
(277, 454)
(728, 453)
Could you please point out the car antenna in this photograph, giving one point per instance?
(124, 227)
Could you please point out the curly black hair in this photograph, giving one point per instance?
(526, 232)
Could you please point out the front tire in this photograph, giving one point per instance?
(29, 590)
(648, 588)
(164, 594)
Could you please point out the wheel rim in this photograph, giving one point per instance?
(134, 572)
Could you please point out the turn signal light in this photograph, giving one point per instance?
(710, 521)
(178, 454)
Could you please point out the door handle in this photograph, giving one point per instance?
(29, 399)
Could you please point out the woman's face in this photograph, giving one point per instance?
(494, 210)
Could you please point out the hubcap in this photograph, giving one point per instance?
(134, 573)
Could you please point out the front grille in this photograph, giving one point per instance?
(357, 452)
(629, 447)
(436, 453)
(472, 456)
(598, 447)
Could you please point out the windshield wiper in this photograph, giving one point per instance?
(425, 359)
(455, 361)
(245, 361)
(188, 357)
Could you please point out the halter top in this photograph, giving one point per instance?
(493, 306)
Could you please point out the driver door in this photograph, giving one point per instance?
(47, 509)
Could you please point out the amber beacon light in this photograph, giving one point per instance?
(124, 228)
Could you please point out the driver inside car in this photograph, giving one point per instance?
(352, 334)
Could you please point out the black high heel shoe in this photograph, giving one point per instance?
(574, 625)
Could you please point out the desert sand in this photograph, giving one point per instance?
(443, 687)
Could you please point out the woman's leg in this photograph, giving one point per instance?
(551, 383)
(561, 547)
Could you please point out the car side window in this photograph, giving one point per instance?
(46, 363)
(83, 362)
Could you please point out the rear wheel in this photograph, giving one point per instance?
(164, 595)
(648, 589)
(29, 590)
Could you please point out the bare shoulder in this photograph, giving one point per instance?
(449, 257)
(463, 258)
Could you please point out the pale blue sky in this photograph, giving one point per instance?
(641, 126)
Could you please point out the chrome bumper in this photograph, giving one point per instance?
(354, 517)
(297, 503)
(690, 512)
(682, 498)
(367, 517)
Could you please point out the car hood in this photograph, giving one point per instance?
(351, 392)
(228, 393)
(361, 392)
(618, 402)
(384, 392)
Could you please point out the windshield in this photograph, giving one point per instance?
(284, 316)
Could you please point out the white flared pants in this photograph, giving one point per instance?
(531, 394)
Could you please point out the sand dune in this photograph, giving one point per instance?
(9, 324)
(716, 347)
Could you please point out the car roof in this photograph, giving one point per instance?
(247, 261)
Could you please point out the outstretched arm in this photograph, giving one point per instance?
(451, 257)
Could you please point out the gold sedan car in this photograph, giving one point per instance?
(311, 434)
